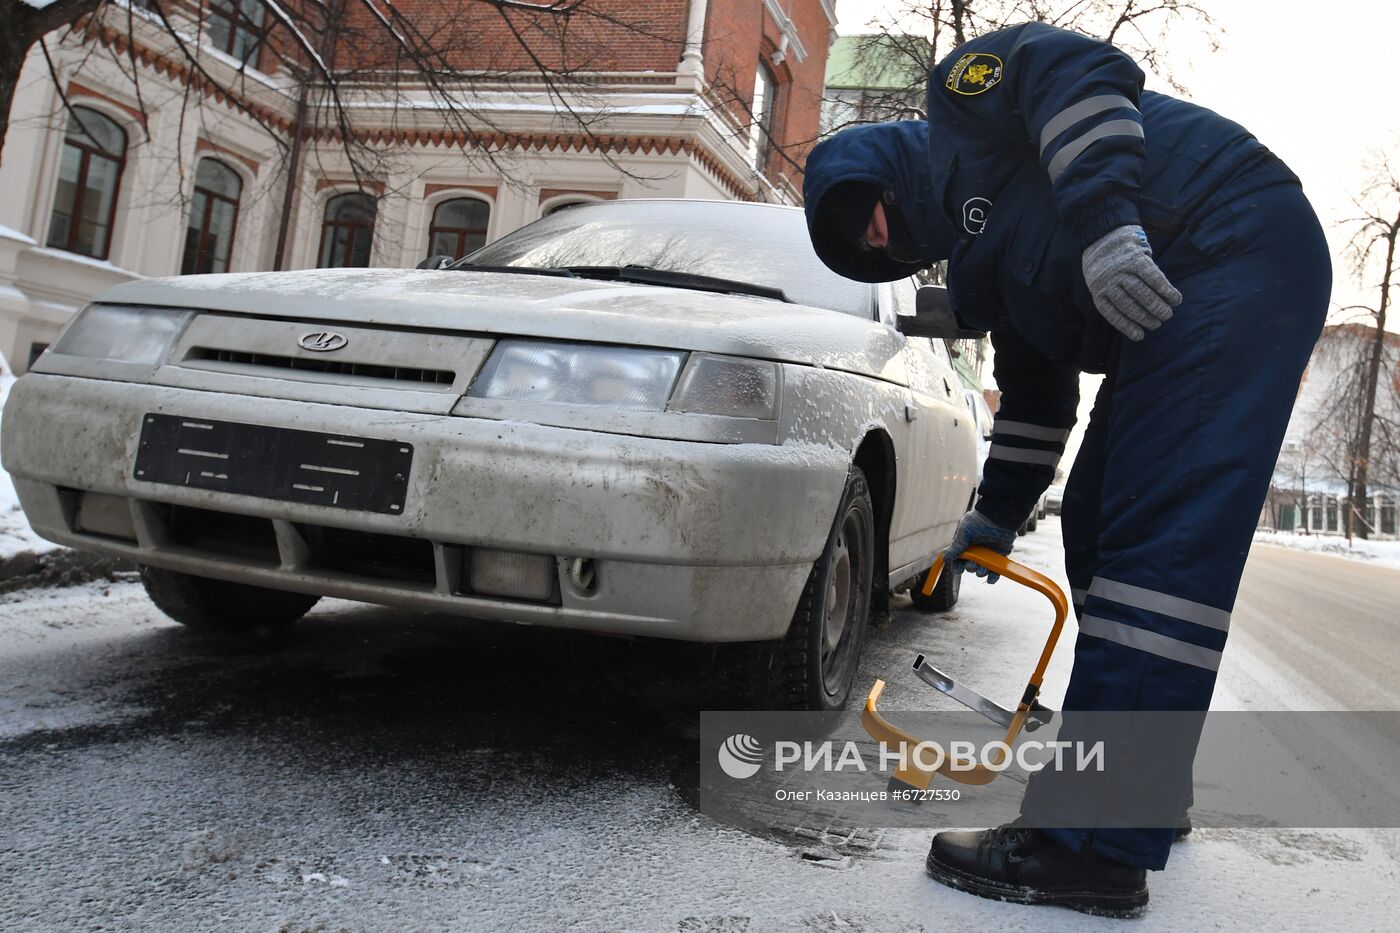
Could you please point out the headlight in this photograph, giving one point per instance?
(579, 374)
(727, 385)
(132, 335)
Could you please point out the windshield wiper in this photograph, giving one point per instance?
(645, 275)
(523, 270)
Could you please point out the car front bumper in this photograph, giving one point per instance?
(687, 540)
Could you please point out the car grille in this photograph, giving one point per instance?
(443, 377)
(370, 555)
(330, 553)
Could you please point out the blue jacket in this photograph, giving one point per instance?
(1040, 141)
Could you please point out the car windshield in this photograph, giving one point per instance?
(755, 243)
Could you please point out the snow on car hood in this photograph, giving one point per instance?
(541, 306)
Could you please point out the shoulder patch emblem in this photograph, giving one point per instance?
(974, 73)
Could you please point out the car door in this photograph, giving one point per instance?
(933, 485)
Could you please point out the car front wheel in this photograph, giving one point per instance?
(210, 605)
(815, 665)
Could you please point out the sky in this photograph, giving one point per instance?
(1318, 91)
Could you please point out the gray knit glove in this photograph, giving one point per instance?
(1129, 290)
(976, 528)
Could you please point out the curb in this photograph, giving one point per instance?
(60, 567)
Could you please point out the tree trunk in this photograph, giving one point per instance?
(1373, 369)
(959, 21)
(25, 26)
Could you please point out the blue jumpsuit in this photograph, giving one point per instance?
(1040, 142)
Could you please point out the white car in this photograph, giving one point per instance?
(654, 418)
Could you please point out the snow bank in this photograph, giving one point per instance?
(15, 534)
(1381, 553)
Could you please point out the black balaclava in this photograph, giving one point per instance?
(847, 174)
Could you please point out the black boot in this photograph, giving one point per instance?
(1025, 866)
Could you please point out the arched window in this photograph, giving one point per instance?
(94, 151)
(213, 218)
(458, 227)
(348, 231)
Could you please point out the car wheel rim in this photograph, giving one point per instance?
(842, 601)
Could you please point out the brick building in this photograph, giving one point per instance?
(189, 169)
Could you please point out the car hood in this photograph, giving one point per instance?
(541, 306)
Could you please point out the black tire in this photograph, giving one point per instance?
(1032, 523)
(945, 592)
(1023, 529)
(208, 605)
(814, 666)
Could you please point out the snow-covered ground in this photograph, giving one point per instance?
(392, 770)
(1380, 553)
(15, 533)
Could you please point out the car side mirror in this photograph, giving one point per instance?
(933, 316)
(437, 261)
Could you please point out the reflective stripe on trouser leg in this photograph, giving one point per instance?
(1198, 412)
(1143, 640)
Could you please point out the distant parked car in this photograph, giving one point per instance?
(1054, 499)
(659, 418)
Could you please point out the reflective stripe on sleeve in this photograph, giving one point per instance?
(1076, 112)
(1142, 640)
(1142, 598)
(1072, 150)
(1022, 455)
(1034, 431)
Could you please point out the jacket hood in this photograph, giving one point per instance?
(893, 157)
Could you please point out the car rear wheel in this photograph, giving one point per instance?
(210, 605)
(815, 665)
(944, 595)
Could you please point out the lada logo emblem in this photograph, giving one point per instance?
(322, 341)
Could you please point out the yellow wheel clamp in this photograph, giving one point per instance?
(966, 771)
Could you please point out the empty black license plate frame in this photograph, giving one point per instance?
(342, 471)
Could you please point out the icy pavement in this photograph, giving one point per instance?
(1380, 553)
(385, 770)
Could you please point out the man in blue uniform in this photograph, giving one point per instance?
(1091, 226)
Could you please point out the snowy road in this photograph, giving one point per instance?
(387, 770)
(1330, 625)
